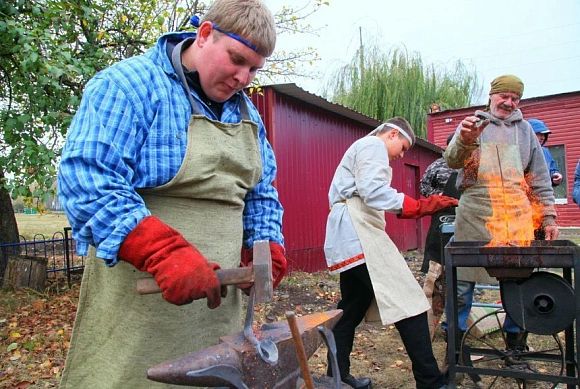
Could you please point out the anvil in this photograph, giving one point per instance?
(235, 363)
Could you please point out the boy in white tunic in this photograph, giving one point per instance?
(371, 267)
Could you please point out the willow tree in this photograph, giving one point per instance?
(49, 49)
(382, 85)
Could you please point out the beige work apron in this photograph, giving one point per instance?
(397, 293)
(475, 210)
(118, 333)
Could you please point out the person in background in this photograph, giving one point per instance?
(372, 270)
(434, 108)
(167, 173)
(496, 151)
(576, 190)
(438, 179)
(542, 132)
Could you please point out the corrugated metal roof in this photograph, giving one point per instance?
(295, 91)
(292, 90)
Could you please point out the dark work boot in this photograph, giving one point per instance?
(358, 383)
(517, 341)
(517, 344)
(517, 347)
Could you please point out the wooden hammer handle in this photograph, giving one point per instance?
(300, 352)
(237, 276)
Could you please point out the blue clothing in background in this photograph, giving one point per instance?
(465, 290)
(552, 165)
(576, 191)
(130, 132)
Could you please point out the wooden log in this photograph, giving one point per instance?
(23, 271)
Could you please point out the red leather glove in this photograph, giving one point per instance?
(279, 263)
(180, 270)
(413, 209)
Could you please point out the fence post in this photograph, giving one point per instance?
(67, 255)
(3, 261)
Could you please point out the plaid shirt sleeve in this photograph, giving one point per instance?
(97, 170)
(108, 155)
(263, 211)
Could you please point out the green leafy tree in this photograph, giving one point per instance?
(285, 65)
(382, 85)
(49, 49)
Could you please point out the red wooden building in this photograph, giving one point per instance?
(309, 136)
(561, 113)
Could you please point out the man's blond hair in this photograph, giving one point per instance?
(250, 19)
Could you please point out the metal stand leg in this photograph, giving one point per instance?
(570, 369)
(451, 302)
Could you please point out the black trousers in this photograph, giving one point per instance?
(356, 295)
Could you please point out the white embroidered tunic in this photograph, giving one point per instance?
(364, 172)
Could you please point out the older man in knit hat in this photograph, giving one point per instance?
(497, 153)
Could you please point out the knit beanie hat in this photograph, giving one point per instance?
(507, 83)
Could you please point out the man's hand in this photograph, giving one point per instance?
(180, 270)
(551, 232)
(471, 129)
(413, 209)
(556, 179)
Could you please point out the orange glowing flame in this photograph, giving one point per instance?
(515, 213)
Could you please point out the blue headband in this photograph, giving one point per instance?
(195, 22)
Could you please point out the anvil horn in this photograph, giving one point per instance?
(234, 362)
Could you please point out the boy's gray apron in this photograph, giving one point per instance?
(122, 333)
(497, 160)
(397, 293)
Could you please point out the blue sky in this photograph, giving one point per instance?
(538, 40)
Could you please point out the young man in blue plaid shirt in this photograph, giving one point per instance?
(167, 173)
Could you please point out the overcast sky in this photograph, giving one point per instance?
(537, 40)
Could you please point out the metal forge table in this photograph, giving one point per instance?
(513, 260)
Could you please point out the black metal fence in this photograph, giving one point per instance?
(58, 251)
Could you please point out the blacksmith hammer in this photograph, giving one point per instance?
(262, 291)
(260, 274)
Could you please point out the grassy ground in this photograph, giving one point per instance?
(570, 233)
(30, 226)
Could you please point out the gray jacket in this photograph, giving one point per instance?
(532, 157)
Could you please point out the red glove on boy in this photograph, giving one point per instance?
(279, 263)
(180, 270)
(413, 209)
